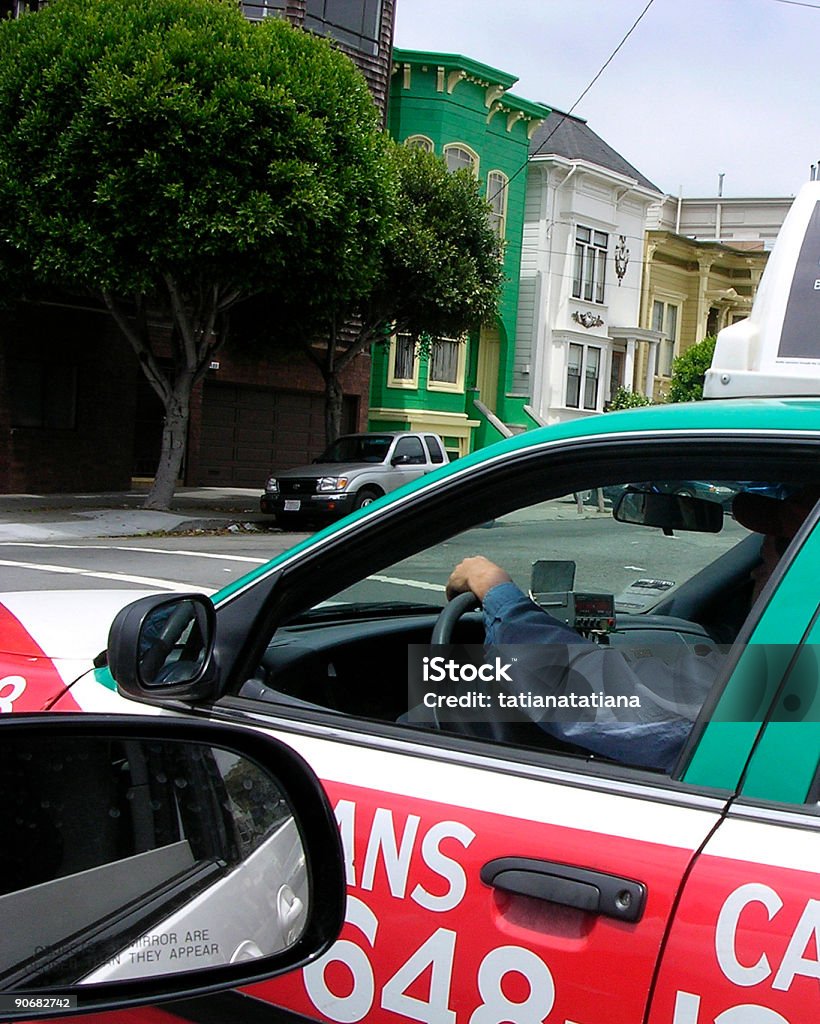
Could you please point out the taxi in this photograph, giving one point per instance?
(511, 868)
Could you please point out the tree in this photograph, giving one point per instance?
(689, 371)
(175, 160)
(440, 274)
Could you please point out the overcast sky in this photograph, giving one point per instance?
(701, 87)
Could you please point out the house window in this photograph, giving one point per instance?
(616, 372)
(403, 370)
(445, 368)
(255, 10)
(497, 197)
(355, 23)
(419, 142)
(459, 158)
(665, 320)
(583, 373)
(444, 361)
(43, 395)
(589, 277)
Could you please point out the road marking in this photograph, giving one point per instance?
(637, 568)
(419, 584)
(120, 577)
(123, 547)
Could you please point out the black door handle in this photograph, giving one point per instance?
(583, 888)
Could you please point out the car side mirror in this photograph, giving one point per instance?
(163, 645)
(400, 460)
(668, 512)
(147, 858)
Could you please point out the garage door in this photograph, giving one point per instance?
(248, 432)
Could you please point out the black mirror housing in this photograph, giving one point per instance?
(668, 512)
(151, 870)
(162, 647)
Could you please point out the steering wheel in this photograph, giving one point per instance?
(449, 616)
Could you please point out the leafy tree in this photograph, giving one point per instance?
(689, 371)
(174, 159)
(440, 274)
(624, 398)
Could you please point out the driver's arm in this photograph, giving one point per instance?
(510, 617)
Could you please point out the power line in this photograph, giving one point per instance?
(798, 3)
(564, 116)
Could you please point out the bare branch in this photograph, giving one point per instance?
(183, 322)
(139, 340)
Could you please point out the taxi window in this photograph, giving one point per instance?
(666, 588)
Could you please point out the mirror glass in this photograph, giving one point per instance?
(132, 858)
(173, 643)
(668, 511)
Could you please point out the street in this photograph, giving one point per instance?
(609, 557)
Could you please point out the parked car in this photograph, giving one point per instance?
(497, 872)
(351, 473)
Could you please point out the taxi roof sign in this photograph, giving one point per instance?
(776, 351)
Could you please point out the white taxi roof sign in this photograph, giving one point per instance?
(776, 351)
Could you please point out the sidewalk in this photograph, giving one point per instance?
(51, 517)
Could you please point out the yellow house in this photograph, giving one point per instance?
(690, 290)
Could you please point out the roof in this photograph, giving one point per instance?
(571, 137)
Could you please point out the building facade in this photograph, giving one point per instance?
(465, 389)
(579, 330)
(691, 289)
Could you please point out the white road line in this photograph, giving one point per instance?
(419, 584)
(120, 577)
(123, 547)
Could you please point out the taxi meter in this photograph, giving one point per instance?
(776, 350)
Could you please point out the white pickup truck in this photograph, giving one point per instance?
(351, 473)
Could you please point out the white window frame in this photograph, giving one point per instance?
(451, 147)
(589, 264)
(393, 381)
(587, 362)
(497, 189)
(419, 142)
(662, 306)
(456, 386)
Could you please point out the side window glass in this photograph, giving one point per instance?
(434, 448)
(410, 451)
(627, 596)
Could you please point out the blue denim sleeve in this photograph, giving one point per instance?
(510, 617)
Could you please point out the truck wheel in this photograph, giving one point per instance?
(365, 497)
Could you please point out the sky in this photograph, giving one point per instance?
(699, 89)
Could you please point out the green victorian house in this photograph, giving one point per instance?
(464, 389)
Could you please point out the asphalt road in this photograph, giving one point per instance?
(609, 557)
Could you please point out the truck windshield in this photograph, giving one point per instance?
(352, 448)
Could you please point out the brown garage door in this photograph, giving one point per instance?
(248, 432)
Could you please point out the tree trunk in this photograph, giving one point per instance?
(174, 443)
(334, 396)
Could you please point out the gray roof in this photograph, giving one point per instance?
(569, 136)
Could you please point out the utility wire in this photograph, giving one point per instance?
(798, 3)
(566, 114)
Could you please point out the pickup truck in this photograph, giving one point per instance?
(351, 473)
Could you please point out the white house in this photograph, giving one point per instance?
(580, 300)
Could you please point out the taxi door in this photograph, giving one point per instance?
(482, 891)
(744, 947)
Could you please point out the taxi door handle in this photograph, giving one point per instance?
(594, 891)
